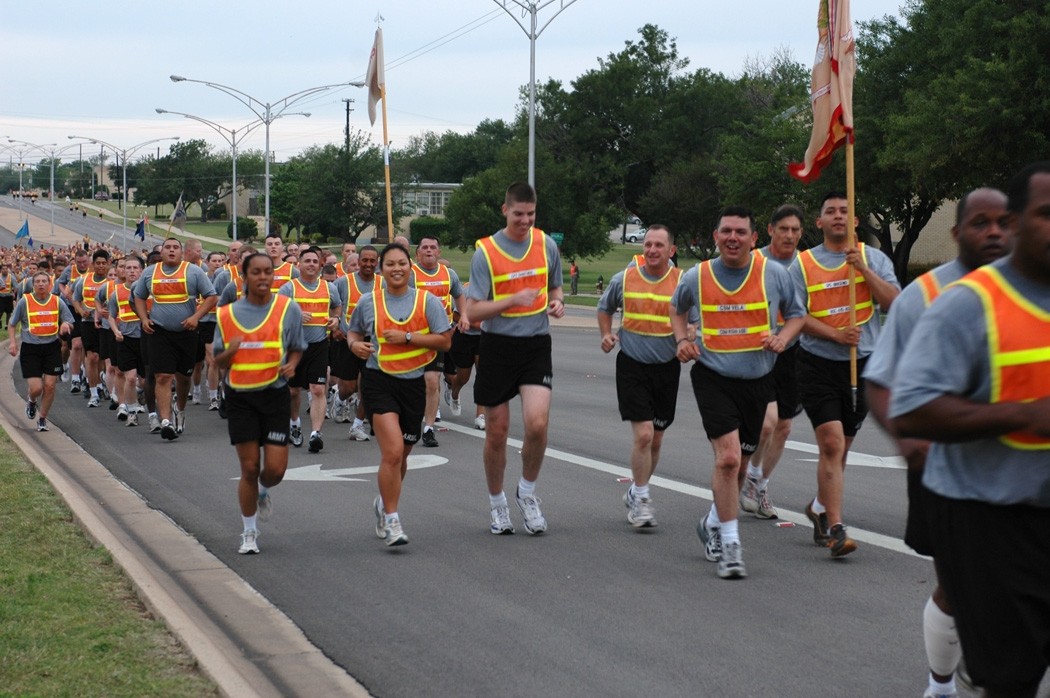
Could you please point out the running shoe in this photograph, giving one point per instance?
(479, 422)
(840, 543)
(765, 506)
(437, 417)
(530, 511)
(133, 420)
(394, 534)
(264, 508)
(731, 564)
(446, 393)
(377, 507)
(214, 404)
(41, 424)
(93, 401)
(295, 435)
(500, 521)
(820, 525)
(31, 408)
(195, 395)
(154, 423)
(316, 442)
(180, 421)
(639, 511)
(456, 406)
(749, 495)
(167, 430)
(712, 538)
(429, 440)
(122, 413)
(113, 402)
(75, 387)
(358, 434)
(248, 542)
(930, 693)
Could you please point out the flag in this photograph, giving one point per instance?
(23, 232)
(831, 89)
(178, 216)
(375, 77)
(30, 242)
(140, 230)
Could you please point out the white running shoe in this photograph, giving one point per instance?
(213, 406)
(264, 509)
(358, 434)
(133, 420)
(394, 534)
(377, 507)
(456, 407)
(479, 422)
(639, 511)
(500, 521)
(248, 542)
(712, 538)
(530, 511)
(195, 396)
(122, 412)
(749, 495)
(765, 506)
(731, 564)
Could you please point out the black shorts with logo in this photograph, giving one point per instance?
(89, 334)
(785, 382)
(464, 351)
(172, 352)
(258, 416)
(824, 390)
(731, 404)
(312, 368)
(38, 360)
(407, 397)
(129, 355)
(647, 392)
(344, 364)
(106, 348)
(506, 363)
(205, 335)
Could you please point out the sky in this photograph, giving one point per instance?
(102, 73)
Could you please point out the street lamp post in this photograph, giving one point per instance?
(54, 152)
(267, 113)
(27, 147)
(235, 136)
(124, 153)
(532, 8)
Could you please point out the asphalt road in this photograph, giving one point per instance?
(591, 608)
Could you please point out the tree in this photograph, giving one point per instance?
(189, 170)
(452, 157)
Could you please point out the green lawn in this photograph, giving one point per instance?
(70, 623)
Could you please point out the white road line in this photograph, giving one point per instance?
(887, 542)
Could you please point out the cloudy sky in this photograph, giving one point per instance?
(102, 72)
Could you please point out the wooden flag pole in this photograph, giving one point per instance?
(851, 242)
(386, 173)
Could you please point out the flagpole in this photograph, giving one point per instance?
(851, 242)
(386, 172)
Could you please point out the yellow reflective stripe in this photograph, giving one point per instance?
(519, 274)
(734, 331)
(1021, 357)
(255, 366)
(733, 307)
(647, 296)
(828, 285)
(645, 316)
(839, 310)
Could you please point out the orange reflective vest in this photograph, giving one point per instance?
(647, 304)
(1018, 347)
(512, 274)
(90, 290)
(258, 359)
(125, 304)
(439, 283)
(827, 291)
(75, 273)
(170, 288)
(733, 321)
(353, 293)
(402, 358)
(43, 318)
(7, 284)
(281, 276)
(930, 287)
(314, 304)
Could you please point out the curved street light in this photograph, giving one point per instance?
(267, 113)
(27, 147)
(124, 153)
(54, 153)
(235, 136)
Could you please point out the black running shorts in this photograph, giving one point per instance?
(506, 363)
(647, 392)
(312, 368)
(172, 352)
(731, 404)
(38, 360)
(407, 397)
(258, 416)
(824, 390)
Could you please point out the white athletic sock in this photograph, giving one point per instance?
(249, 523)
(712, 517)
(943, 689)
(754, 472)
(357, 423)
(943, 651)
(498, 500)
(818, 508)
(427, 428)
(391, 518)
(263, 489)
(730, 532)
(212, 394)
(641, 492)
(526, 488)
(763, 484)
(295, 422)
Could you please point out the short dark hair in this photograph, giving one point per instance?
(390, 248)
(1019, 188)
(247, 260)
(273, 234)
(152, 258)
(660, 226)
(428, 237)
(134, 258)
(100, 254)
(328, 269)
(367, 248)
(786, 211)
(175, 239)
(520, 193)
(740, 211)
(834, 194)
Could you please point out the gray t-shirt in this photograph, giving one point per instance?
(645, 349)
(781, 296)
(900, 323)
(480, 287)
(251, 315)
(947, 354)
(878, 263)
(131, 329)
(313, 333)
(21, 316)
(363, 321)
(170, 315)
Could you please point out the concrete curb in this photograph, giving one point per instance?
(240, 640)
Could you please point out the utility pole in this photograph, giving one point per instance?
(348, 110)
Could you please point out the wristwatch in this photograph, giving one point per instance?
(408, 337)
